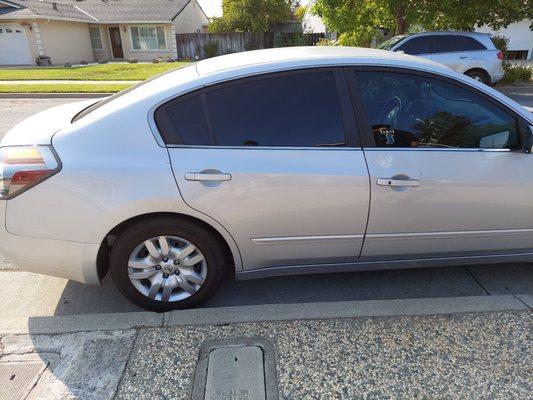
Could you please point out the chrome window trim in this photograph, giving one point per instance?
(463, 150)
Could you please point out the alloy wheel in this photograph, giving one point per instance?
(167, 268)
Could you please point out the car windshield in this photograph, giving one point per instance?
(389, 44)
(106, 100)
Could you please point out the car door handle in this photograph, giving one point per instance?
(463, 57)
(207, 177)
(398, 182)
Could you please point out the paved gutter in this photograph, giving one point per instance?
(264, 313)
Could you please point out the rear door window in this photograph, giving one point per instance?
(298, 109)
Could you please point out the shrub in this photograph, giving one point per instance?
(516, 73)
(211, 49)
(325, 42)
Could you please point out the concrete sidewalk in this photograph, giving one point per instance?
(466, 355)
(469, 347)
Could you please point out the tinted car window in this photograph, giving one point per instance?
(300, 109)
(472, 44)
(416, 111)
(182, 121)
(416, 45)
(451, 43)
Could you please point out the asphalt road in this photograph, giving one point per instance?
(25, 294)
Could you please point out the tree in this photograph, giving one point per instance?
(358, 21)
(251, 15)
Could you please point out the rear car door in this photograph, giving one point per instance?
(275, 159)
(448, 177)
(454, 51)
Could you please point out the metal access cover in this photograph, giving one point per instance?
(17, 378)
(236, 370)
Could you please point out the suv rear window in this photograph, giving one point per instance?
(451, 43)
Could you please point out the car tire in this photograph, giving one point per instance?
(480, 76)
(130, 249)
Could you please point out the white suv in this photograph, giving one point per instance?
(469, 53)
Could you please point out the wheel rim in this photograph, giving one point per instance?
(477, 78)
(167, 268)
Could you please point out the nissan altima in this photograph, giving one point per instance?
(269, 163)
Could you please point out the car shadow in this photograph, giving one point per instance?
(369, 285)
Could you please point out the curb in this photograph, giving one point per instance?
(264, 313)
(53, 95)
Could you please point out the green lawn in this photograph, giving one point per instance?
(101, 72)
(63, 88)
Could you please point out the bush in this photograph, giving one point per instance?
(516, 73)
(325, 42)
(211, 49)
(289, 39)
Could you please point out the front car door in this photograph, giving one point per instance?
(274, 159)
(447, 174)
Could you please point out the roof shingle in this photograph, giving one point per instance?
(104, 11)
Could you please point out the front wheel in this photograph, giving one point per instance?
(165, 264)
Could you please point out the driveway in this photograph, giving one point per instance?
(26, 294)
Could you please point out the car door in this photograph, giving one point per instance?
(452, 51)
(274, 159)
(448, 177)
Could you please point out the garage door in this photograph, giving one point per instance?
(13, 45)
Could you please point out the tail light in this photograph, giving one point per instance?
(500, 55)
(22, 167)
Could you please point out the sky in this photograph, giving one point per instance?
(213, 8)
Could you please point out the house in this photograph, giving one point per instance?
(520, 38)
(71, 31)
(312, 23)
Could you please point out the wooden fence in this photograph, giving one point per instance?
(193, 46)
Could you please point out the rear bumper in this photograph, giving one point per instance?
(64, 259)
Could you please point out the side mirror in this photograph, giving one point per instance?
(528, 139)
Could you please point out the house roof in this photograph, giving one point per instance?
(102, 11)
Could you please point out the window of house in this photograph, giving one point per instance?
(96, 39)
(148, 38)
(407, 110)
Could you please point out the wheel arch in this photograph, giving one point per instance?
(233, 260)
(482, 71)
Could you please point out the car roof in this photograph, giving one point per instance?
(461, 33)
(279, 58)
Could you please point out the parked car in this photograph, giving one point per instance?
(269, 163)
(469, 53)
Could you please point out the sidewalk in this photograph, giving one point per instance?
(471, 347)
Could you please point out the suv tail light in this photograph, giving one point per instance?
(500, 55)
(22, 167)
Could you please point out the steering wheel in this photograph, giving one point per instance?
(391, 111)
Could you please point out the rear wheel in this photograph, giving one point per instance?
(166, 264)
(478, 75)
